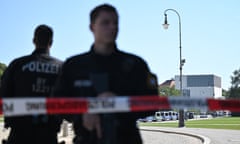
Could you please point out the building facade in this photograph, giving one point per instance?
(204, 86)
(168, 83)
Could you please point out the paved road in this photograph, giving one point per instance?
(216, 136)
(154, 137)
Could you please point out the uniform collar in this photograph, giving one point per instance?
(41, 51)
(92, 51)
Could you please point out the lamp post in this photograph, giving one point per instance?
(181, 61)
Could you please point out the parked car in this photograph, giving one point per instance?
(173, 115)
(151, 119)
(219, 113)
(203, 115)
(148, 119)
(162, 115)
(227, 113)
(190, 115)
(158, 116)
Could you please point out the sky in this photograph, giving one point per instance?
(210, 32)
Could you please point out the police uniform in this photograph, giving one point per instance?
(90, 74)
(31, 76)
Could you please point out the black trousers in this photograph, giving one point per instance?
(32, 136)
(123, 135)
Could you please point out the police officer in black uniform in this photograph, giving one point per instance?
(105, 71)
(32, 76)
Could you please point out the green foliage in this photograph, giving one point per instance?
(2, 68)
(1, 118)
(234, 91)
(225, 93)
(235, 79)
(167, 91)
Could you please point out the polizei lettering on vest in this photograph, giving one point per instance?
(41, 67)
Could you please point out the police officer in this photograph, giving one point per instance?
(32, 76)
(105, 71)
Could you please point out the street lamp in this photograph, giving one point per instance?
(181, 62)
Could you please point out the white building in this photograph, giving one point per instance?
(204, 86)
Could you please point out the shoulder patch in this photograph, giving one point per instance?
(152, 81)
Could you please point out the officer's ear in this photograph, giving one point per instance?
(34, 40)
(49, 45)
(50, 42)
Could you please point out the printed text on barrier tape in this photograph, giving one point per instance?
(66, 105)
(108, 105)
(188, 103)
(28, 106)
(231, 105)
(143, 103)
(23, 106)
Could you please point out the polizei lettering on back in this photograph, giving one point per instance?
(41, 67)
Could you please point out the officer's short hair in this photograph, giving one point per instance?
(43, 35)
(104, 7)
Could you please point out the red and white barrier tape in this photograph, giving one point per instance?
(28, 106)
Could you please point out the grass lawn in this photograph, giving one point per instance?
(1, 118)
(215, 123)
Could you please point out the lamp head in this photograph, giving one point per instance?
(165, 25)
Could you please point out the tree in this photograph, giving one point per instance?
(234, 91)
(225, 93)
(2, 68)
(167, 91)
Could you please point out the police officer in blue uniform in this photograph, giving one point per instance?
(105, 71)
(33, 75)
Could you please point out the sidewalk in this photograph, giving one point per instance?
(178, 131)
